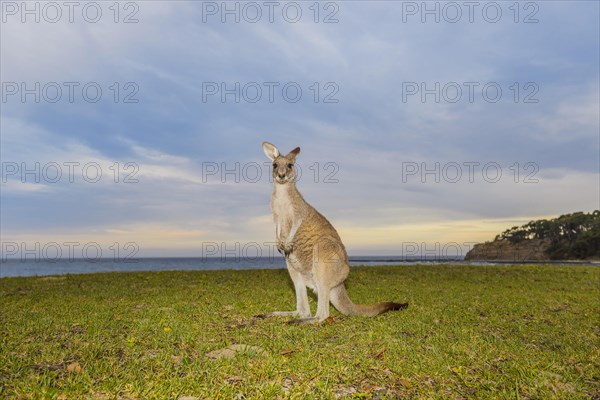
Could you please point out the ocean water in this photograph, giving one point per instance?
(18, 267)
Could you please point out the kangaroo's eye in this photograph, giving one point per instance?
(274, 165)
(290, 166)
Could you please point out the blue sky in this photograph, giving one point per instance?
(367, 141)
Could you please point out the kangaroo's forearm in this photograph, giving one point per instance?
(285, 232)
(295, 225)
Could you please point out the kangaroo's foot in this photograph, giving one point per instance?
(304, 321)
(309, 320)
(279, 314)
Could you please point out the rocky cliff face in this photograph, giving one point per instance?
(503, 250)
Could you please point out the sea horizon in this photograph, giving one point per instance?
(17, 267)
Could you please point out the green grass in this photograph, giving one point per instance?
(513, 332)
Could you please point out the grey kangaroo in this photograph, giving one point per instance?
(314, 253)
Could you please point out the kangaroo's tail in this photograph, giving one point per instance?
(341, 301)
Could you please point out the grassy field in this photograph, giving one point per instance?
(470, 332)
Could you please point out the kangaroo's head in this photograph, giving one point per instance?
(283, 166)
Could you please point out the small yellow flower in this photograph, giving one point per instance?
(167, 329)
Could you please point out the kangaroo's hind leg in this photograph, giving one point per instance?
(329, 272)
(322, 308)
(302, 306)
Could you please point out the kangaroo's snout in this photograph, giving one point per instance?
(281, 173)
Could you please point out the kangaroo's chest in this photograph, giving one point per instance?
(284, 211)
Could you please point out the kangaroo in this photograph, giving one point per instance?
(314, 253)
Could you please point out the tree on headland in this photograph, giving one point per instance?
(575, 235)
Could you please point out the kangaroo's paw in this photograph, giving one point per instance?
(285, 248)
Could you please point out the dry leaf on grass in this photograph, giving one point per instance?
(287, 352)
(404, 382)
(74, 368)
(380, 352)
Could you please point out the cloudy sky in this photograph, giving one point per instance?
(419, 123)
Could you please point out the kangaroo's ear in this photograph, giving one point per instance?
(292, 154)
(270, 150)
